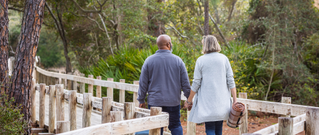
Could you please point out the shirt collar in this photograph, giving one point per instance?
(163, 51)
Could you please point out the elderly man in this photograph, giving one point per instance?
(163, 77)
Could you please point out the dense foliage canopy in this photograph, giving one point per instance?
(274, 44)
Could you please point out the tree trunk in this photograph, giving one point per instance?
(4, 35)
(156, 27)
(68, 68)
(25, 57)
(233, 6)
(60, 28)
(206, 23)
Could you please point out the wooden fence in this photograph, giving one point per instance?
(306, 116)
(136, 119)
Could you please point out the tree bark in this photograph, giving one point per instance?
(25, 57)
(206, 23)
(4, 36)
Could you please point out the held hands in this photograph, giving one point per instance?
(142, 105)
(188, 105)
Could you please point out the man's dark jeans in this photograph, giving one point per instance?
(174, 120)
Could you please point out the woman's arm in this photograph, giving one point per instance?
(195, 86)
(234, 94)
(191, 96)
(231, 81)
(189, 102)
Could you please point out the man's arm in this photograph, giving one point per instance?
(184, 80)
(143, 85)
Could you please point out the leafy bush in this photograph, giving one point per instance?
(127, 63)
(11, 120)
(247, 62)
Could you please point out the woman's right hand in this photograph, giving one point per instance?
(234, 100)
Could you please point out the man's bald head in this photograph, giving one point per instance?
(163, 42)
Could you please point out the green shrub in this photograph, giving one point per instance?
(11, 120)
(246, 60)
(127, 63)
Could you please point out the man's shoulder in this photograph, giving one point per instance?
(150, 57)
(177, 57)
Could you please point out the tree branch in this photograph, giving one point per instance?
(107, 34)
(219, 31)
(53, 16)
(232, 10)
(15, 9)
(172, 27)
(90, 11)
(96, 23)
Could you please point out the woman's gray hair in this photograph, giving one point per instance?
(210, 44)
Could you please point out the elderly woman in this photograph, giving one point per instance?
(212, 85)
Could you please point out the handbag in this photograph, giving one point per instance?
(236, 113)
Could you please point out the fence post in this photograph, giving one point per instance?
(129, 110)
(59, 102)
(122, 92)
(286, 100)
(72, 109)
(243, 128)
(106, 109)
(135, 95)
(34, 72)
(90, 87)
(87, 109)
(37, 75)
(191, 126)
(116, 116)
(98, 88)
(75, 85)
(52, 109)
(65, 82)
(69, 83)
(109, 89)
(155, 111)
(60, 79)
(33, 103)
(62, 126)
(11, 62)
(285, 126)
(82, 85)
(312, 121)
(42, 105)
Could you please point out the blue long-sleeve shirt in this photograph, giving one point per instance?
(163, 76)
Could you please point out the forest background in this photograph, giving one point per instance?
(273, 45)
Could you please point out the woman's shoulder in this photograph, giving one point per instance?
(215, 55)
